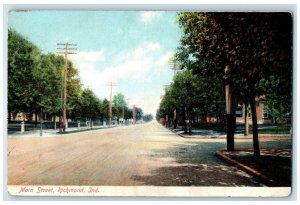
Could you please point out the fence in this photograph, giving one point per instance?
(21, 126)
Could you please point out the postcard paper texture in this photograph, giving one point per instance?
(149, 103)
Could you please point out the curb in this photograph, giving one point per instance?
(181, 135)
(191, 137)
(263, 136)
(246, 169)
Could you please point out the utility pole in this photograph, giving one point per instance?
(111, 84)
(174, 68)
(166, 87)
(41, 123)
(68, 48)
(123, 112)
(134, 114)
(127, 101)
(174, 65)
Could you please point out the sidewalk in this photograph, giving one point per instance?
(55, 133)
(203, 134)
(273, 167)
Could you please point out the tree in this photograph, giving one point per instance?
(251, 46)
(91, 105)
(278, 95)
(139, 113)
(191, 95)
(35, 80)
(74, 91)
(23, 57)
(105, 110)
(148, 117)
(48, 84)
(128, 113)
(119, 105)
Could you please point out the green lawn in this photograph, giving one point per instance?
(18, 128)
(262, 129)
(272, 129)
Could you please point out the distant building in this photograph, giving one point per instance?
(263, 117)
(19, 116)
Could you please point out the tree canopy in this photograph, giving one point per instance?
(35, 83)
(23, 58)
(190, 95)
(119, 105)
(249, 51)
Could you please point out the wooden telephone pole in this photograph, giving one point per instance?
(111, 84)
(134, 114)
(174, 65)
(68, 48)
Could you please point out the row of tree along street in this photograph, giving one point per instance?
(243, 56)
(35, 87)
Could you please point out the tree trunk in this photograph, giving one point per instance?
(36, 120)
(185, 127)
(190, 127)
(175, 123)
(246, 121)
(254, 127)
(9, 115)
(54, 122)
(185, 121)
(231, 122)
(60, 124)
(205, 117)
(231, 118)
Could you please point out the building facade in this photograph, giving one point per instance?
(263, 117)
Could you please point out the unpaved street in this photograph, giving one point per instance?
(147, 154)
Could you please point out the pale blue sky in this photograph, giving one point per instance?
(129, 48)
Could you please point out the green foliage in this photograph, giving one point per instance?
(119, 104)
(91, 105)
(128, 113)
(105, 109)
(148, 117)
(278, 95)
(139, 113)
(74, 91)
(249, 51)
(35, 80)
(253, 45)
(47, 75)
(192, 92)
(23, 58)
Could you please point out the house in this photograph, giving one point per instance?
(263, 117)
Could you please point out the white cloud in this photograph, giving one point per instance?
(148, 102)
(135, 64)
(142, 64)
(164, 59)
(88, 57)
(147, 17)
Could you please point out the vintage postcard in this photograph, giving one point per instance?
(149, 103)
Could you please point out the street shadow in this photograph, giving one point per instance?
(193, 164)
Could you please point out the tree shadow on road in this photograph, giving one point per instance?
(193, 164)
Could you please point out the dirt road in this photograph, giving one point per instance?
(147, 154)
